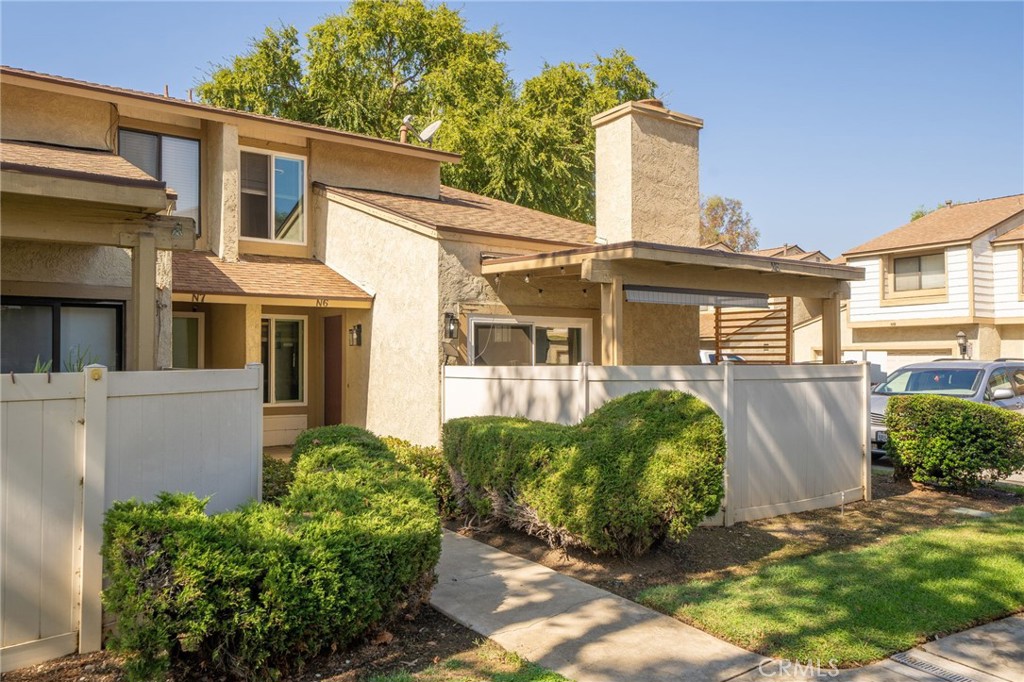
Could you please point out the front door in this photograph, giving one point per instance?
(334, 336)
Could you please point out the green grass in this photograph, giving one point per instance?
(863, 605)
(485, 663)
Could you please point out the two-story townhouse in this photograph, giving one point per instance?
(342, 265)
(954, 270)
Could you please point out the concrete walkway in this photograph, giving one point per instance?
(590, 635)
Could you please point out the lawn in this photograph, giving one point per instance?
(864, 604)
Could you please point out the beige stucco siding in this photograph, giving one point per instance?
(400, 339)
(356, 168)
(37, 116)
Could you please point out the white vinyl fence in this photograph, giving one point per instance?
(797, 435)
(72, 444)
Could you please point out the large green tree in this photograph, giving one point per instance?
(365, 69)
(723, 219)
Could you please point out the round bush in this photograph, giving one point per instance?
(950, 441)
(253, 593)
(641, 468)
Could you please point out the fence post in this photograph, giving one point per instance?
(90, 627)
(257, 408)
(866, 429)
(583, 398)
(728, 513)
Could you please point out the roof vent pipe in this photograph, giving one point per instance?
(949, 203)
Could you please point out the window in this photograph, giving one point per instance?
(173, 160)
(187, 332)
(915, 273)
(273, 197)
(66, 334)
(283, 347)
(529, 341)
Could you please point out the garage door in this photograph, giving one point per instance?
(894, 361)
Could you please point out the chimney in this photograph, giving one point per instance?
(647, 159)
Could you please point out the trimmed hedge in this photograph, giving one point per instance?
(253, 593)
(950, 441)
(429, 463)
(641, 468)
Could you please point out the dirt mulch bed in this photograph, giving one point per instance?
(416, 644)
(715, 552)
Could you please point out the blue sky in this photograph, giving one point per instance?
(830, 121)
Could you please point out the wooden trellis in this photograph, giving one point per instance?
(760, 336)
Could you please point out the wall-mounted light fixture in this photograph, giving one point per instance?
(355, 335)
(451, 326)
(961, 340)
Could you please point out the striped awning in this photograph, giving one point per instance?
(675, 296)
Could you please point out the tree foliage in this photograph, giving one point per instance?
(921, 211)
(723, 219)
(364, 70)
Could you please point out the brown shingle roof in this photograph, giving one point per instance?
(201, 272)
(83, 164)
(200, 108)
(959, 223)
(460, 211)
(1011, 237)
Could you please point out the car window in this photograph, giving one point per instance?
(936, 380)
(999, 379)
(1017, 379)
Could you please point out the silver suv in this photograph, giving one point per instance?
(999, 383)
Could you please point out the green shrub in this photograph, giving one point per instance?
(641, 468)
(253, 593)
(950, 441)
(277, 476)
(429, 463)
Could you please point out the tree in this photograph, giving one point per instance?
(723, 219)
(921, 211)
(364, 70)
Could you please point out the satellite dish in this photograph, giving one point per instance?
(428, 133)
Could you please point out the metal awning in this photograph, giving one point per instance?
(678, 296)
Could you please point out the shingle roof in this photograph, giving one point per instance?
(460, 211)
(203, 272)
(959, 223)
(200, 108)
(83, 164)
(1011, 237)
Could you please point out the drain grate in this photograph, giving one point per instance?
(930, 668)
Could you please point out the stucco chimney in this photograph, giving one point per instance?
(646, 161)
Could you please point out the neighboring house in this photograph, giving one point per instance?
(341, 263)
(955, 269)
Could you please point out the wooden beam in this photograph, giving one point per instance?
(144, 303)
(101, 227)
(831, 341)
(611, 322)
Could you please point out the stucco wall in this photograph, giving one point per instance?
(656, 334)
(1012, 341)
(401, 341)
(357, 168)
(40, 116)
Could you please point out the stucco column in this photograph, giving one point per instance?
(144, 300)
(831, 342)
(253, 321)
(223, 217)
(611, 322)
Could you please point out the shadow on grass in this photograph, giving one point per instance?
(863, 605)
(487, 662)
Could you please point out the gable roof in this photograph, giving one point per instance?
(464, 212)
(208, 111)
(950, 225)
(202, 272)
(70, 162)
(1012, 237)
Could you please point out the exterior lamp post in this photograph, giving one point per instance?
(961, 340)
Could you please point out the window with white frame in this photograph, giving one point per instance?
(273, 202)
(529, 340)
(187, 338)
(283, 349)
(171, 159)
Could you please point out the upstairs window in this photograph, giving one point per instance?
(170, 159)
(273, 197)
(918, 273)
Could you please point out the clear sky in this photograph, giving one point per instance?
(830, 121)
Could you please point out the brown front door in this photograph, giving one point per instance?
(334, 336)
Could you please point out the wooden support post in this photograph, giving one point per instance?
(253, 332)
(611, 322)
(144, 301)
(831, 342)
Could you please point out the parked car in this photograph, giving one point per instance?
(999, 382)
(709, 357)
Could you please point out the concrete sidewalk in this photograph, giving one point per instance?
(590, 635)
(580, 631)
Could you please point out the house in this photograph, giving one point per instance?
(342, 264)
(957, 269)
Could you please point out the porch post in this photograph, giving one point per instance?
(144, 300)
(253, 322)
(831, 343)
(611, 322)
